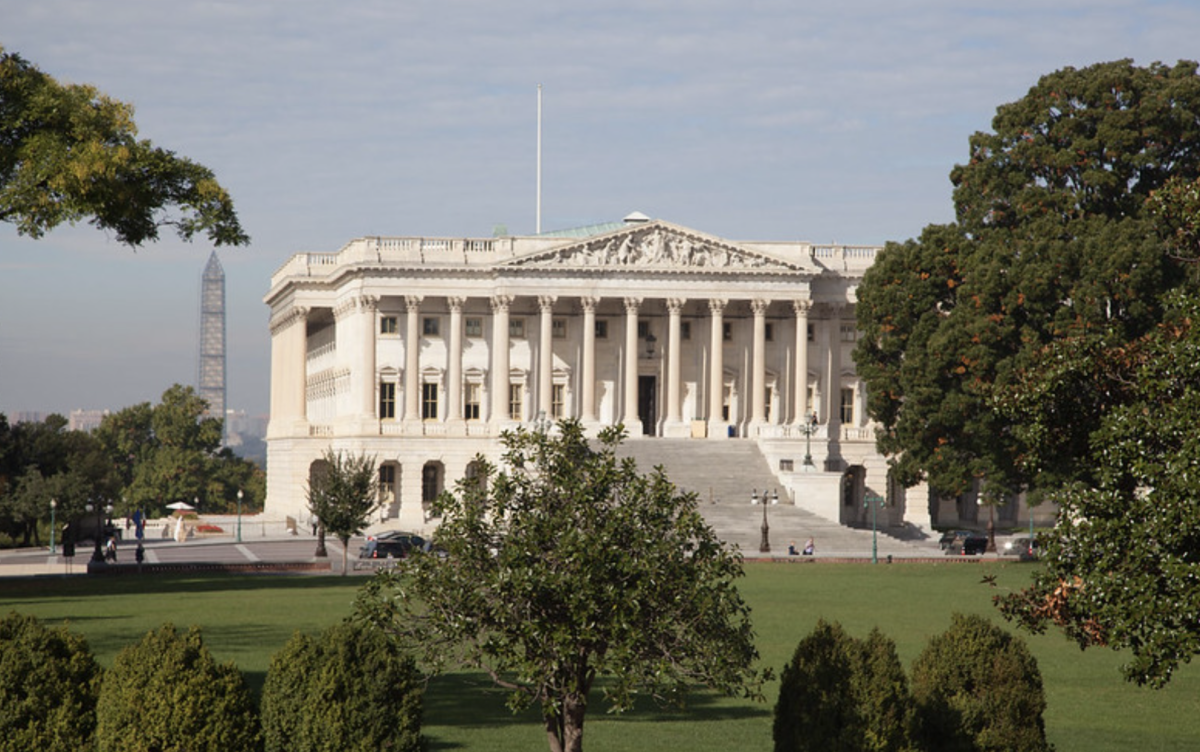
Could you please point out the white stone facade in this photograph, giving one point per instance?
(422, 350)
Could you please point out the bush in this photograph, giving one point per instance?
(349, 689)
(977, 688)
(166, 693)
(839, 693)
(48, 686)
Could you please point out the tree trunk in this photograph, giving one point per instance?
(345, 552)
(565, 731)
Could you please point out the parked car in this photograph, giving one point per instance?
(952, 539)
(395, 546)
(971, 545)
(1026, 548)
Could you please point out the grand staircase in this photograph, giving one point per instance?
(724, 474)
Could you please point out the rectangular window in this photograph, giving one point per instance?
(516, 328)
(387, 477)
(727, 331)
(849, 333)
(812, 333)
(430, 326)
(786, 466)
(558, 328)
(558, 397)
(767, 404)
(725, 411)
(515, 402)
(643, 329)
(685, 330)
(769, 332)
(387, 400)
(429, 401)
(601, 329)
(473, 326)
(388, 325)
(471, 401)
(847, 410)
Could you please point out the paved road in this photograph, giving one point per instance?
(275, 548)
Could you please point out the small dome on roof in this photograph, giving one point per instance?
(636, 218)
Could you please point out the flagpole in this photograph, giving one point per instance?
(538, 222)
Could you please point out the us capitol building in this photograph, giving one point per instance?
(421, 351)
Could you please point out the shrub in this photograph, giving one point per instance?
(349, 689)
(167, 693)
(978, 688)
(48, 686)
(839, 693)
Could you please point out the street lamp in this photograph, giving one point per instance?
(239, 526)
(874, 501)
(98, 551)
(808, 429)
(764, 545)
(991, 528)
(53, 548)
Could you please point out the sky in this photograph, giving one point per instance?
(745, 119)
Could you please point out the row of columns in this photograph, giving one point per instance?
(292, 400)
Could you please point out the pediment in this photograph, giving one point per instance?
(654, 245)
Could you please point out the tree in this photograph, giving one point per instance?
(977, 688)
(1121, 563)
(49, 681)
(841, 693)
(351, 688)
(343, 495)
(167, 693)
(1052, 240)
(68, 152)
(566, 566)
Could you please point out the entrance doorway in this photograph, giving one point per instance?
(647, 402)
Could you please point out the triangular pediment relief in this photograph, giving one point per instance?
(655, 245)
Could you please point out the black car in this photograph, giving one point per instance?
(394, 546)
(968, 546)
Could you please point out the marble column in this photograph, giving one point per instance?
(588, 409)
(758, 380)
(500, 375)
(716, 368)
(630, 418)
(289, 372)
(412, 359)
(833, 378)
(454, 370)
(800, 409)
(674, 311)
(545, 357)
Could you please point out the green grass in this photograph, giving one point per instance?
(245, 619)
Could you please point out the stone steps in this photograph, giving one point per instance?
(723, 474)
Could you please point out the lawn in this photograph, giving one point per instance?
(245, 619)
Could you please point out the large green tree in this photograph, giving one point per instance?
(69, 153)
(343, 495)
(568, 566)
(1052, 239)
(1122, 566)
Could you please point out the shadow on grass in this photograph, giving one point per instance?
(470, 700)
(45, 589)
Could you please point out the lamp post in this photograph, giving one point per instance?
(808, 429)
(239, 521)
(53, 548)
(98, 551)
(764, 545)
(874, 501)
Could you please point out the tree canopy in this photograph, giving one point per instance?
(1052, 240)
(568, 566)
(1122, 566)
(68, 153)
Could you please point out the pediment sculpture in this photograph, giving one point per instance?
(654, 247)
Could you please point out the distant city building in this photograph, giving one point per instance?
(85, 420)
(28, 416)
(211, 377)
